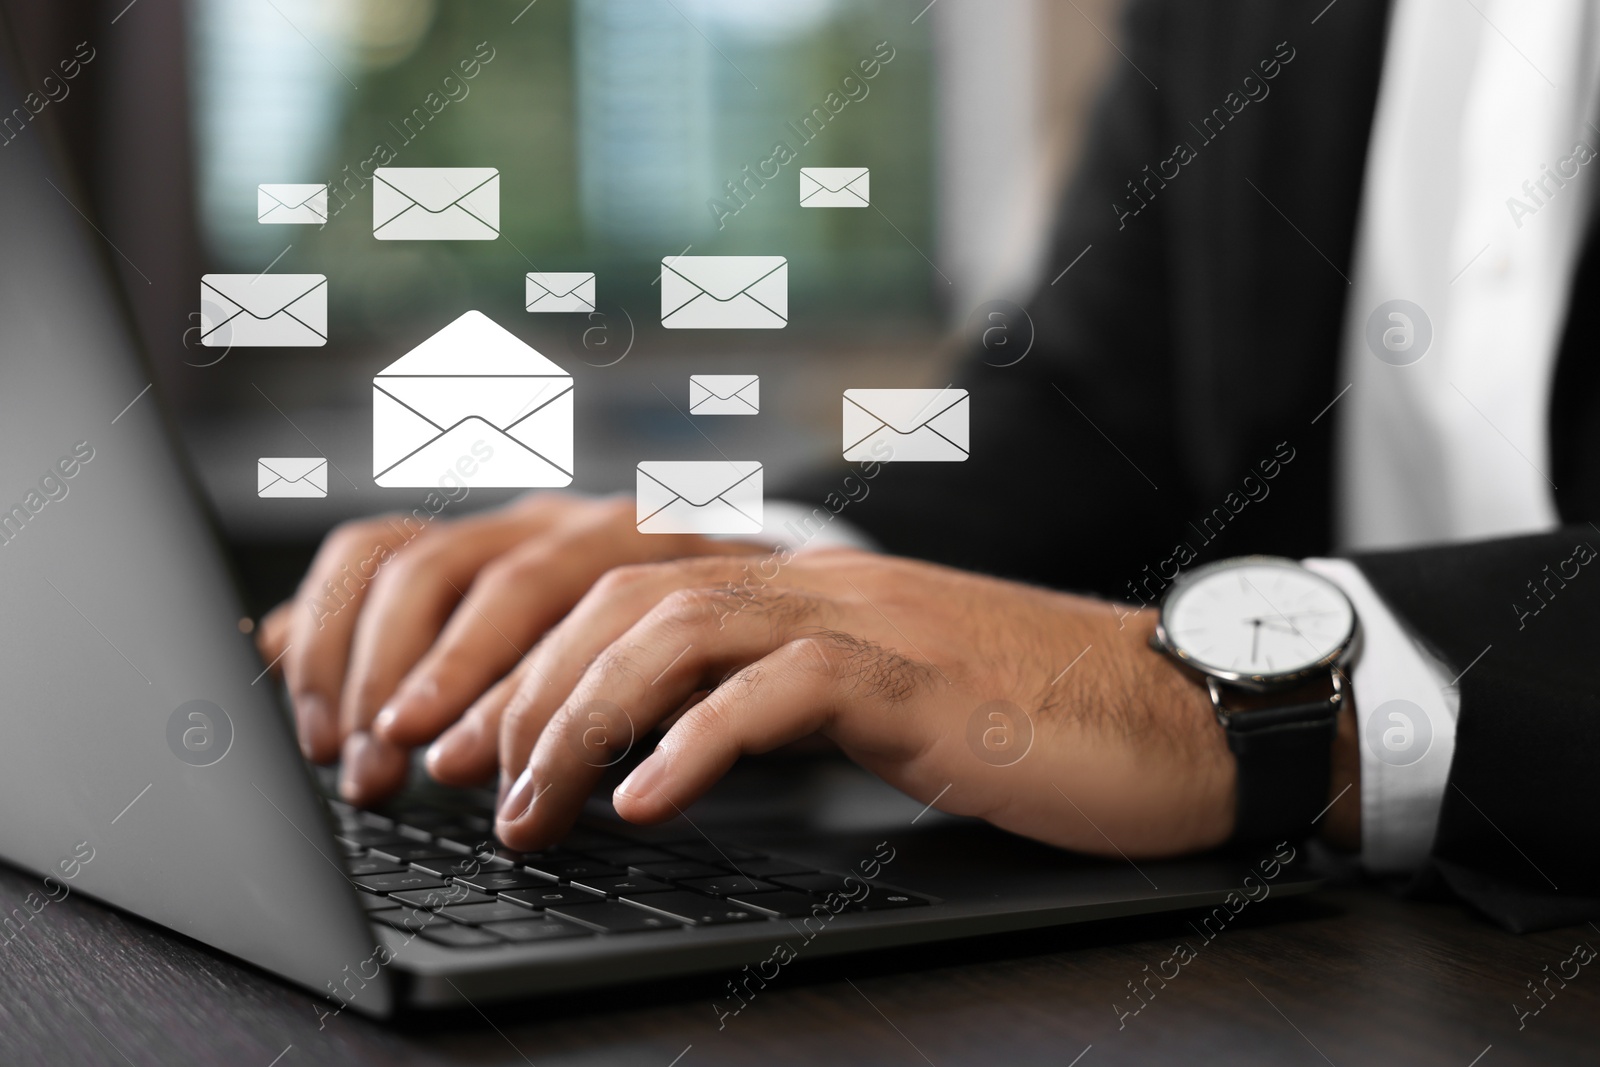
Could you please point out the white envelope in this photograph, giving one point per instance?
(263, 310)
(835, 187)
(278, 477)
(906, 425)
(571, 291)
(715, 496)
(724, 292)
(724, 394)
(292, 204)
(475, 404)
(436, 203)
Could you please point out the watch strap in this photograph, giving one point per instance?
(1285, 764)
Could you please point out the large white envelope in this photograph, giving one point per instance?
(292, 204)
(716, 496)
(279, 477)
(474, 404)
(724, 292)
(569, 291)
(906, 425)
(835, 187)
(724, 394)
(263, 310)
(436, 203)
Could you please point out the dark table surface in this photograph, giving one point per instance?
(1347, 976)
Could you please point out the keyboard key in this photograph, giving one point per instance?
(773, 866)
(727, 885)
(525, 931)
(493, 911)
(698, 910)
(366, 836)
(622, 885)
(628, 855)
(348, 849)
(614, 917)
(408, 919)
(372, 902)
(785, 903)
(822, 883)
(551, 896)
(719, 854)
(434, 899)
(570, 866)
(396, 881)
(676, 870)
(374, 820)
(888, 900)
(449, 865)
(460, 936)
(372, 865)
(408, 851)
(585, 839)
(501, 881)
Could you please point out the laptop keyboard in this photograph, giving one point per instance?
(419, 872)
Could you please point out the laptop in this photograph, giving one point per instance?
(146, 760)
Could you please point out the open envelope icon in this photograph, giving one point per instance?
(263, 310)
(472, 405)
(292, 204)
(716, 496)
(436, 203)
(276, 477)
(906, 425)
(724, 394)
(724, 292)
(835, 187)
(570, 291)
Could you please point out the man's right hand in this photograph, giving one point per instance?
(398, 627)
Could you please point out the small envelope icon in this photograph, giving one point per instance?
(724, 292)
(835, 187)
(263, 310)
(724, 394)
(906, 425)
(436, 203)
(717, 496)
(475, 404)
(292, 204)
(572, 291)
(276, 477)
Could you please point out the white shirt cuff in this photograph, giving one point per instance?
(1406, 712)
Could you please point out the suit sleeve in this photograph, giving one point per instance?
(1517, 619)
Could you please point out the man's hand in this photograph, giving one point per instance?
(399, 626)
(908, 667)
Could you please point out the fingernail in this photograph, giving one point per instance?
(385, 719)
(454, 742)
(520, 798)
(360, 754)
(311, 724)
(644, 780)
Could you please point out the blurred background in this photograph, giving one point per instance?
(617, 126)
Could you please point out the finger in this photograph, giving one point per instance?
(686, 643)
(322, 618)
(467, 753)
(370, 769)
(510, 605)
(272, 632)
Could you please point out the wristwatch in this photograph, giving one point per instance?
(1271, 639)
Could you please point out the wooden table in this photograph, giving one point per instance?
(1349, 976)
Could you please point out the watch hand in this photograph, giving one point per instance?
(1255, 639)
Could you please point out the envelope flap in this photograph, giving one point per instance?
(263, 295)
(698, 483)
(905, 409)
(723, 277)
(562, 284)
(474, 345)
(834, 179)
(292, 195)
(435, 188)
(724, 386)
(292, 469)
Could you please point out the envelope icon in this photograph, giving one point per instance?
(724, 292)
(292, 477)
(436, 203)
(717, 496)
(835, 187)
(572, 291)
(472, 405)
(263, 310)
(906, 425)
(724, 394)
(292, 204)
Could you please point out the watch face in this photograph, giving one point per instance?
(1258, 617)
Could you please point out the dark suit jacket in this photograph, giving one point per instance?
(1195, 345)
